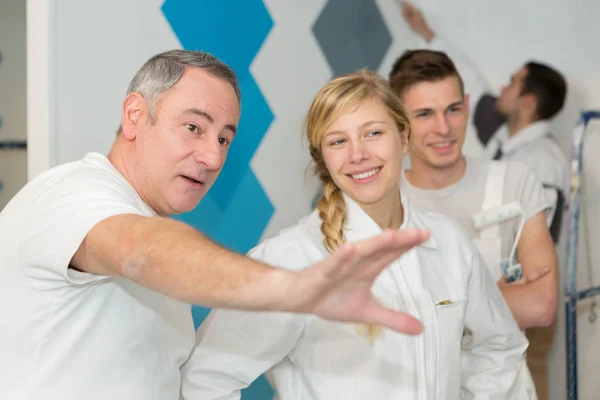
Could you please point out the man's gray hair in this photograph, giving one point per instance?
(164, 70)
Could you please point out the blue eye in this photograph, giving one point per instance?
(337, 142)
(374, 133)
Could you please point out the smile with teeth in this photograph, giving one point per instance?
(441, 145)
(367, 174)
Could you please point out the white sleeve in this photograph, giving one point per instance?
(58, 221)
(233, 348)
(552, 172)
(552, 198)
(528, 189)
(493, 348)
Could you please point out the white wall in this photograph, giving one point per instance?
(92, 58)
(502, 35)
(13, 162)
(588, 253)
(90, 71)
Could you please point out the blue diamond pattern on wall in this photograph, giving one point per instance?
(352, 35)
(236, 210)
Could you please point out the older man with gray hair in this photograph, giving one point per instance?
(97, 282)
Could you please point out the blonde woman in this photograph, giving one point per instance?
(358, 133)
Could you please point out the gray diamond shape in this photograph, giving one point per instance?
(352, 35)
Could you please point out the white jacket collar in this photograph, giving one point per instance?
(529, 134)
(359, 225)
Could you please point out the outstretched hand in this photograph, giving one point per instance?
(414, 18)
(339, 287)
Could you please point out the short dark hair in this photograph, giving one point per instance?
(415, 66)
(548, 86)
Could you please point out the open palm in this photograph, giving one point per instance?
(339, 288)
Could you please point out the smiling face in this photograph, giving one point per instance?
(438, 111)
(180, 151)
(362, 150)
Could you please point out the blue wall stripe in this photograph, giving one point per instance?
(236, 210)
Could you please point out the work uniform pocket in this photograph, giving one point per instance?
(451, 321)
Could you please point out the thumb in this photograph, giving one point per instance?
(396, 320)
(536, 274)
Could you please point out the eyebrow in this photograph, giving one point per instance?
(420, 110)
(456, 103)
(208, 117)
(364, 125)
(429, 109)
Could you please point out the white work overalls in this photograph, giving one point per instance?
(489, 244)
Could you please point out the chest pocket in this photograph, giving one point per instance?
(451, 322)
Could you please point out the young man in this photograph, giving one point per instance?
(443, 180)
(515, 127)
(97, 283)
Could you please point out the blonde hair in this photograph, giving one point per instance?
(338, 96)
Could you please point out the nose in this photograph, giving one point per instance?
(442, 127)
(210, 153)
(358, 152)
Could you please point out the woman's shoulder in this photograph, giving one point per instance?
(294, 247)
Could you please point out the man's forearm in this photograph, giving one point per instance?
(531, 304)
(534, 303)
(173, 258)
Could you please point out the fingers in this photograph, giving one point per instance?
(347, 275)
(391, 241)
(527, 278)
(376, 253)
(394, 320)
(536, 274)
(406, 13)
(370, 256)
(339, 262)
(407, 8)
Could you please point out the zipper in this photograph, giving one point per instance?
(422, 342)
(434, 357)
(435, 378)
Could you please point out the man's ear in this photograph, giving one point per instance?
(528, 103)
(406, 138)
(134, 115)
